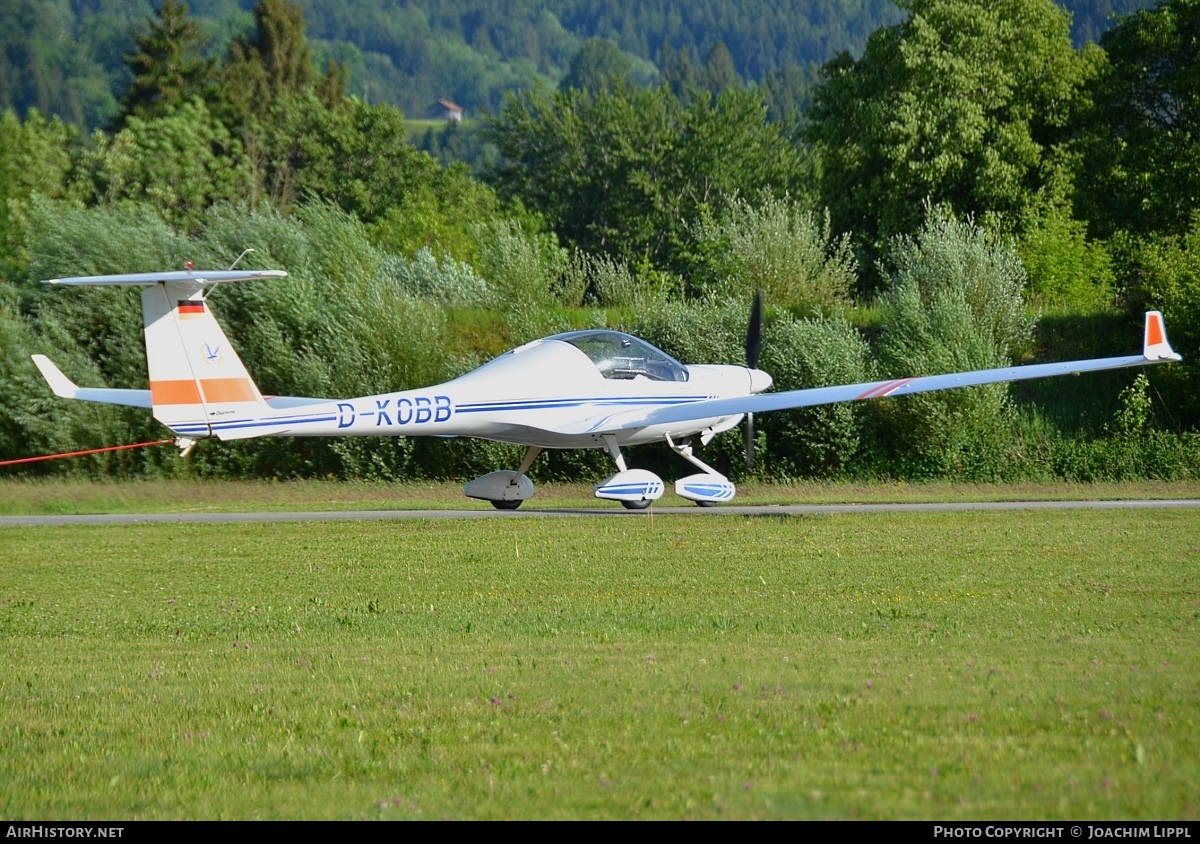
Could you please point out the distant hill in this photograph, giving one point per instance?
(65, 56)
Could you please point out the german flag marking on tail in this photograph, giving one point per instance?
(189, 308)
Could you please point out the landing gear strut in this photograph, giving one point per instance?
(706, 489)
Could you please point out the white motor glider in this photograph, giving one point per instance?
(583, 389)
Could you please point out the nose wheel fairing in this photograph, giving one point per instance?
(705, 489)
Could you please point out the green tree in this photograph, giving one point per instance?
(679, 75)
(270, 63)
(280, 44)
(48, 61)
(628, 171)
(596, 66)
(168, 65)
(179, 164)
(1142, 151)
(788, 94)
(35, 160)
(719, 74)
(358, 158)
(963, 103)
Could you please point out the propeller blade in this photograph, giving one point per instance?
(754, 334)
(749, 440)
(754, 331)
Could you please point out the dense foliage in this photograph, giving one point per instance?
(905, 212)
(961, 104)
(66, 58)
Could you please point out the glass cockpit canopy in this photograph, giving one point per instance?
(623, 357)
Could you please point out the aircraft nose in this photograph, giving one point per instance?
(759, 380)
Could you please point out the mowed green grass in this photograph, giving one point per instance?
(981, 665)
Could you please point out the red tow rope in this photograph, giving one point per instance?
(81, 453)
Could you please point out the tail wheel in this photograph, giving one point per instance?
(506, 505)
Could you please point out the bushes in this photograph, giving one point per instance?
(778, 247)
(814, 441)
(1168, 274)
(1153, 455)
(954, 302)
(33, 422)
(522, 266)
(447, 282)
(1066, 271)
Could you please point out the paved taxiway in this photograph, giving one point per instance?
(614, 511)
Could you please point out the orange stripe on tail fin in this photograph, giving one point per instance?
(228, 389)
(176, 391)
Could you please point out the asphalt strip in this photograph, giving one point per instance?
(607, 512)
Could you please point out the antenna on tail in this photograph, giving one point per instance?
(245, 252)
(213, 286)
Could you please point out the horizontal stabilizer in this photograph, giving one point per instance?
(64, 387)
(199, 277)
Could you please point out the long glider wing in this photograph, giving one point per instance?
(1155, 349)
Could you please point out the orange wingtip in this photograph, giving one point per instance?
(1154, 329)
(1156, 346)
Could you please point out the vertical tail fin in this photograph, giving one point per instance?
(197, 379)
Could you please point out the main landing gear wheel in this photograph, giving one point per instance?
(706, 504)
(507, 505)
(636, 505)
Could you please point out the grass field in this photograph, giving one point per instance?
(1032, 665)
